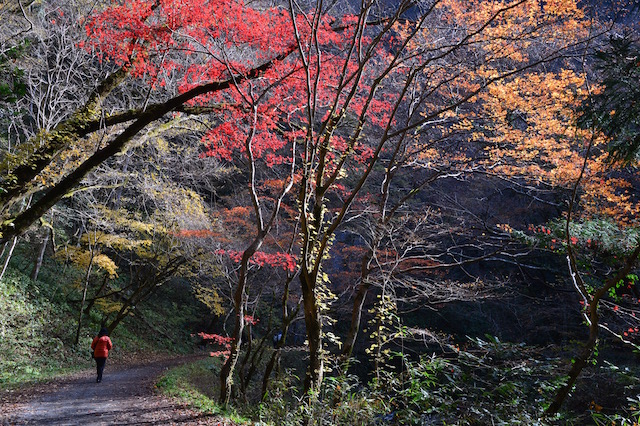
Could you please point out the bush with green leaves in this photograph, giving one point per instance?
(490, 382)
(343, 400)
(630, 416)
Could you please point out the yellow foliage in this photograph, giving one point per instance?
(161, 144)
(77, 151)
(82, 258)
(108, 306)
(210, 298)
(105, 263)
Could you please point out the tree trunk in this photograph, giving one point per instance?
(313, 378)
(255, 358)
(118, 319)
(226, 373)
(275, 356)
(6, 261)
(356, 317)
(130, 303)
(38, 263)
(248, 351)
(578, 365)
(274, 361)
(84, 298)
(287, 319)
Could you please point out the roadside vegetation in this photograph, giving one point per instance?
(193, 384)
(487, 382)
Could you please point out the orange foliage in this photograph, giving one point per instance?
(233, 224)
(195, 233)
(529, 124)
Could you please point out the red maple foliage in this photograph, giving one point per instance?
(285, 261)
(194, 43)
(217, 339)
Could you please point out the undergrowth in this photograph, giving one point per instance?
(488, 382)
(185, 382)
(193, 384)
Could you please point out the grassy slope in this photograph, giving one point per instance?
(38, 323)
(29, 347)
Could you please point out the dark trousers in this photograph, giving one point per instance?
(100, 367)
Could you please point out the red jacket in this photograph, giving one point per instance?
(101, 346)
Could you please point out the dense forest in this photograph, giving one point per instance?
(411, 212)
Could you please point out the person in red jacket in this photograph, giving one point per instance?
(101, 346)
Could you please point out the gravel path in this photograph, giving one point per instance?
(125, 397)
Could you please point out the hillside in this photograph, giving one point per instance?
(39, 323)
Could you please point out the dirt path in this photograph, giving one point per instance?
(125, 397)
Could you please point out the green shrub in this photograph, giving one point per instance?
(29, 346)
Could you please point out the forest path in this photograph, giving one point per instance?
(125, 397)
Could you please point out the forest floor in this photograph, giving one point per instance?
(125, 397)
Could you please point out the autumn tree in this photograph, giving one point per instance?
(265, 272)
(127, 115)
(347, 129)
(433, 82)
(138, 206)
(264, 221)
(112, 241)
(161, 224)
(609, 298)
(530, 122)
(322, 98)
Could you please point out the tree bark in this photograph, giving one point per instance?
(9, 254)
(578, 365)
(358, 304)
(356, 317)
(226, 373)
(84, 298)
(38, 262)
(312, 319)
(253, 361)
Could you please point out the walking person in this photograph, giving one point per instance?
(101, 346)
